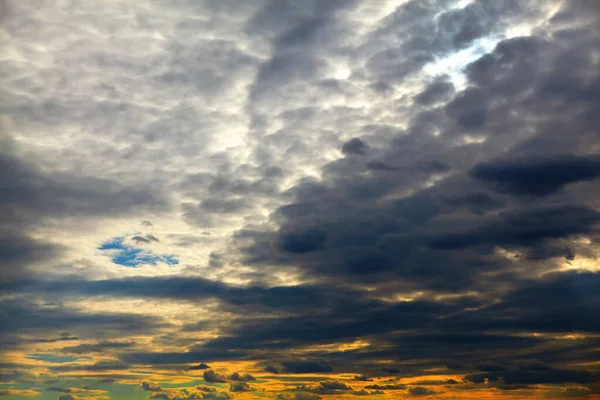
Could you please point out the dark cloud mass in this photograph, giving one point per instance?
(402, 199)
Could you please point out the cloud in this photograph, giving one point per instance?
(420, 391)
(435, 92)
(355, 146)
(306, 367)
(151, 387)
(213, 376)
(538, 177)
(398, 386)
(200, 366)
(186, 393)
(27, 316)
(531, 374)
(97, 347)
(389, 190)
(298, 396)
(236, 376)
(241, 387)
(327, 387)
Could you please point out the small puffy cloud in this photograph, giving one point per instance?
(214, 376)
(241, 387)
(420, 391)
(236, 376)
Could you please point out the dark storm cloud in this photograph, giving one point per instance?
(303, 242)
(533, 373)
(355, 146)
(306, 367)
(537, 119)
(365, 234)
(524, 228)
(23, 316)
(354, 317)
(538, 177)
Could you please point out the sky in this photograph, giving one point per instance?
(299, 199)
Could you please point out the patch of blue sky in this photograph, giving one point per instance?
(130, 256)
(51, 358)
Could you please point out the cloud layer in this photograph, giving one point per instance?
(299, 200)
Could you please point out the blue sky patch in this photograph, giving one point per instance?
(130, 256)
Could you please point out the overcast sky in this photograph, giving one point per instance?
(299, 199)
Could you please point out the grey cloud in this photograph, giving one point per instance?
(200, 366)
(490, 189)
(538, 177)
(355, 146)
(436, 92)
(380, 166)
(214, 376)
(151, 387)
(24, 316)
(236, 376)
(398, 386)
(241, 387)
(140, 239)
(101, 346)
(420, 391)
